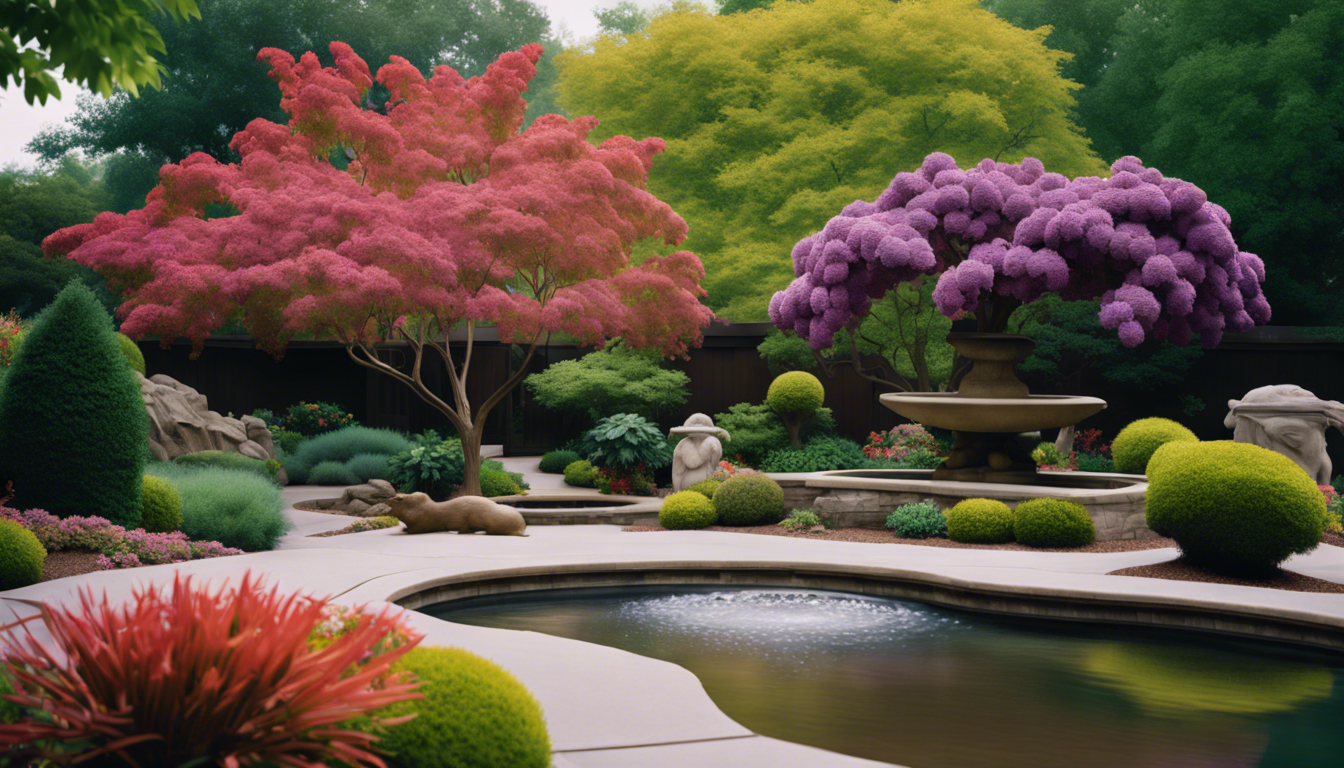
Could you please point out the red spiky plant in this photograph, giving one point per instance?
(185, 677)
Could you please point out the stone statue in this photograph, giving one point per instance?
(465, 514)
(1289, 420)
(697, 455)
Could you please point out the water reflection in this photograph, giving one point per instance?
(930, 688)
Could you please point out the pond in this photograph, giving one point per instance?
(927, 687)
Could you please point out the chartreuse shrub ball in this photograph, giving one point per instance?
(1053, 523)
(706, 487)
(1233, 507)
(749, 500)
(160, 506)
(796, 393)
(1137, 442)
(980, 521)
(474, 715)
(687, 510)
(581, 474)
(73, 424)
(131, 351)
(21, 556)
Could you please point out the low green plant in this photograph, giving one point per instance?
(921, 520)
(581, 474)
(554, 463)
(331, 473)
(371, 524)
(749, 500)
(497, 483)
(1053, 523)
(342, 445)
(433, 469)
(161, 506)
(626, 440)
(706, 487)
(687, 510)
(802, 520)
(228, 460)
(21, 556)
(1047, 455)
(234, 507)
(369, 466)
(756, 430)
(1088, 462)
(266, 415)
(286, 441)
(820, 454)
(1137, 443)
(920, 458)
(980, 521)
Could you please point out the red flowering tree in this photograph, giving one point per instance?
(402, 223)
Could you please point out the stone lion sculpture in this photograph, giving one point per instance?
(697, 455)
(465, 514)
(1289, 420)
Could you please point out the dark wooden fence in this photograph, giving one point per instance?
(725, 370)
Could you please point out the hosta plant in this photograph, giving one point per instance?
(193, 676)
(626, 440)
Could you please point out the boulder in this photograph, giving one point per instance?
(370, 493)
(181, 422)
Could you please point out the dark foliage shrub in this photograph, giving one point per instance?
(309, 419)
(331, 473)
(554, 463)
(756, 430)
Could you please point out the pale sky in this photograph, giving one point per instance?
(19, 122)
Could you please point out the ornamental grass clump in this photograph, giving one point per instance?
(980, 521)
(1137, 443)
(342, 445)
(228, 460)
(687, 510)
(234, 507)
(923, 520)
(1233, 507)
(1053, 523)
(195, 676)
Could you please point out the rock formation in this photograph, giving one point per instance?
(181, 422)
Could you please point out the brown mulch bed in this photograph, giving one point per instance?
(1180, 570)
(872, 536)
(58, 565)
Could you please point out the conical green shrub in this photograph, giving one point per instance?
(73, 425)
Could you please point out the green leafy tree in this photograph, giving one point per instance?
(616, 379)
(1083, 28)
(623, 18)
(777, 118)
(100, 44)
(728, 7)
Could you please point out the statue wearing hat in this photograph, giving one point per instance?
(697, 454)
(1287, 419)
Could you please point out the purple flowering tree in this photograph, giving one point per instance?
(1155, 251)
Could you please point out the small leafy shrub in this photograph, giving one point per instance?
(636, 481)
(495, 483)
(1048, 457)
(706, 488)
(614, 379)
(117, 547)
(626, 440)
(757, 430)
(492, 465)
(131, 351)
(257, 711)
(1334, 510)
(1088, 462)
(1233, 507)
(331, 473)
(1137, 443)
(309, 419)
(920, 458)
(369, 466)
(161, 509)
(433, 469)
(266, 415)
(581, 474)
(474, 714)
(899, 441)
(21, 556)
(554, 463)
(687, 510)
(749, 500)
(980, 521)
(923, 520)
(1053, 523)
(820, 454)
(235, 508)
(228, 460)
(802, 520)
(343, 445)
(286, 442)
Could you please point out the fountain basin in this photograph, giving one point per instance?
(992, 414)
(581, 506)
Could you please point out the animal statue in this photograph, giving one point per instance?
(1289, 420)
(697, 455)
(465, 514)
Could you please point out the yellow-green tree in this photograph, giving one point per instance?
(776, 118)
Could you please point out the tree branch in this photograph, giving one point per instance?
(1022, 136)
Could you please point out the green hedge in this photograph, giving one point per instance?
(1233, 507)
(980, 521)
(1137, 442)
(554, 463)
(234, 507)
(749, 500)
(1053, 523)
(687, 510)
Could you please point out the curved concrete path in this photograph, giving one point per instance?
(606, 708)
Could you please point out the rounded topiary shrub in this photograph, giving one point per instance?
(161, 506)
(1054, 523)
(706, 487)
(581, 474)
(331, 473)
(554, 463)
(495, 483)
(21, 556)
(795, 392)
(474, 715)
(687, 510)
(749, 500)
(131, 351)
(1137, 442)
(72, 420)
(980, 521)
(1233, 507)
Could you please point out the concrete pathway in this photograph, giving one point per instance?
(606, 708)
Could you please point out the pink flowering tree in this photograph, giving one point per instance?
(404, 223)
(1155, 251)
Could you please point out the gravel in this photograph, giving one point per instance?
(1180, 570)
(872, 536)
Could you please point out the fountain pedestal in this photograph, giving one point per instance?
(990, 411)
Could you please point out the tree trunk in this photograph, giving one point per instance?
(471, 456)
(795, 428)
(918, 358)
